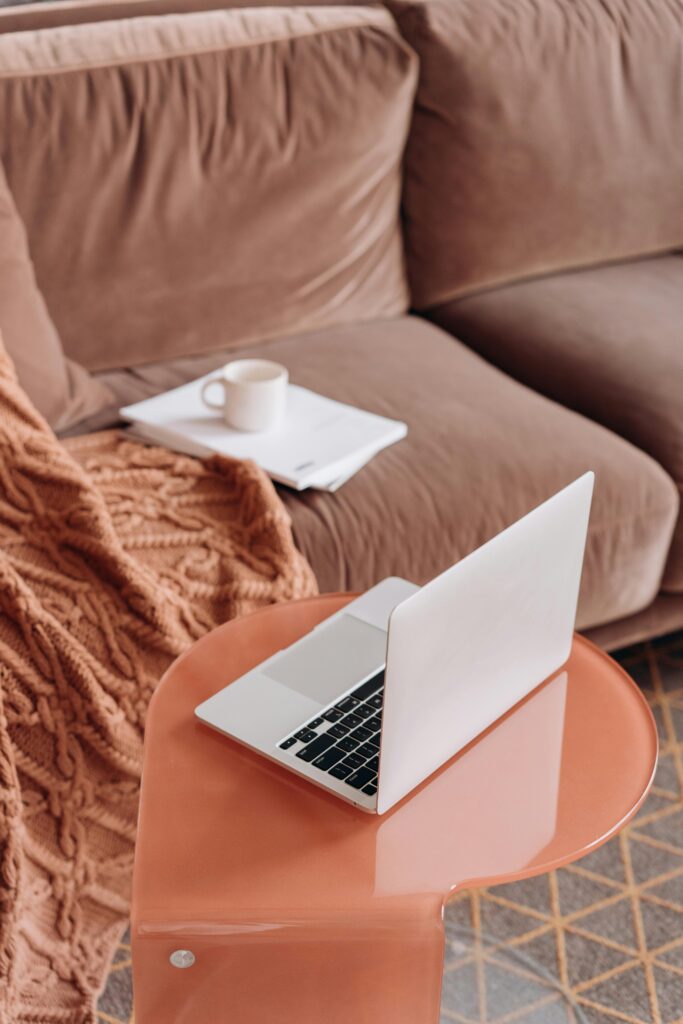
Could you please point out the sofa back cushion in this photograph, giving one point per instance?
(547, 135)
(61, 391)
(199, 181)
(21, 16)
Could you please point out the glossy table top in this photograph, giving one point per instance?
(229, 840)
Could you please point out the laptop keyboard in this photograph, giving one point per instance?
(344, 740)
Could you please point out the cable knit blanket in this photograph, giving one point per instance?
(114, 557)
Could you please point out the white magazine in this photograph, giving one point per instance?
(321, 444)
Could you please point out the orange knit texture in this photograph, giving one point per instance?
(114, 558)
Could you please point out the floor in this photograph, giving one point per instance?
(605, 933)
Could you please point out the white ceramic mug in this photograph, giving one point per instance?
(254, 394)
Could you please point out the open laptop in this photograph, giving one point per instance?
(382, 693)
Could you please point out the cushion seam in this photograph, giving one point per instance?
(226, 48)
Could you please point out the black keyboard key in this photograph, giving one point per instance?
(310, 752)
(377, 700)
(367, 750)
(337, 731)
(347, 704)
(347, 744)
(315, 723)
(374, 742)
(362, 734)
(305, 735)
(360, 778)
(364, 711)
(351, 721)
(370, 789)
(370, 687)
(286, 744)
(374, 723)
(329, 758)
(333, 715)
(373, 763)
(340, 771)
(353, 760)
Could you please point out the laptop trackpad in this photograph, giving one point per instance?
(331, 659)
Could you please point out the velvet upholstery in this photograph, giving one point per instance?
(54, 13)
(480, 452)
(590, 172)
(664, 615)
(197, 181)
(607, 342)
(61, 391)
(546, 136)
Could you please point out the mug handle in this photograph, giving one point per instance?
(205, 387)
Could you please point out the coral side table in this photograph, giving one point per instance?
(292, 906)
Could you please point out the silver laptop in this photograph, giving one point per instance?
(382, 693)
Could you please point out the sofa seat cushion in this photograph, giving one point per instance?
(196, 181)
(481, 451)
(607, 342)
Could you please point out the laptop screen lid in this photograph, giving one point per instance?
(472, 643)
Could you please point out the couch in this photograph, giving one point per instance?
(464, 214)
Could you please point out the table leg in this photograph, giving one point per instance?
(383, 970)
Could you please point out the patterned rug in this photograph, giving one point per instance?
(605, 934)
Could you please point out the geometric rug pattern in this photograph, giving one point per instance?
(604, 935)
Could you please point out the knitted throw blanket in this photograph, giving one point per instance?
(114, 557)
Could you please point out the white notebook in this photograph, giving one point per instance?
(322, 443)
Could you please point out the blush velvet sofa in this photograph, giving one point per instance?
(466, 214)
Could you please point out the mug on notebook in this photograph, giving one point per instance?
(254, 394)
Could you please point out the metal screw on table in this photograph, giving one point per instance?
(182, 958)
